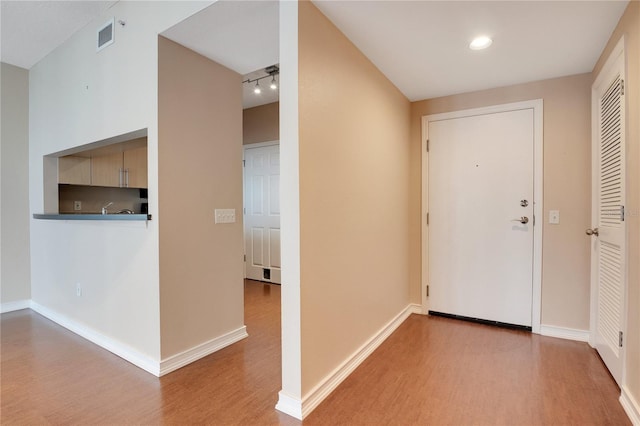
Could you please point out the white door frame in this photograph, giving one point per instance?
(244, 207)
(537, 106)
(611, 62)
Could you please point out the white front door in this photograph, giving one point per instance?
(481, 216)
(608, 249)
(262, 212)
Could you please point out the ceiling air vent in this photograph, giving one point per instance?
(104, 37)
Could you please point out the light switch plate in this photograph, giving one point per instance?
(225, 215)
(554, 217)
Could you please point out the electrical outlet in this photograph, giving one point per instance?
(78, 290)
(77, 205)
(554, 217)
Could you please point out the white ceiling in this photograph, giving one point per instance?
(32, 29)
(241, 35)
(421, 46)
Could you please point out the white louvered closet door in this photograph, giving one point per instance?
(608, 249)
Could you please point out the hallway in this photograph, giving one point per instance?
(430, 371)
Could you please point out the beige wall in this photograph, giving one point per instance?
(15, 276)
(567, 162)
(354, 180)
(199, 170)
(261, 123)
(629, 27)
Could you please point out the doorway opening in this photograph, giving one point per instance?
(262, 212)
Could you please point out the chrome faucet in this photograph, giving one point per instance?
(104, 209)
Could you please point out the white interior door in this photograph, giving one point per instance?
(262, 212)
(608, 253)
(481, 216)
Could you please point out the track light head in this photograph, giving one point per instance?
(257, 89)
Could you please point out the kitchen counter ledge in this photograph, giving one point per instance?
(81, 216)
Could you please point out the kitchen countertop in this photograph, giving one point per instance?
(96, 216)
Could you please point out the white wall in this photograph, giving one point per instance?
(78, 96)
(14, 245)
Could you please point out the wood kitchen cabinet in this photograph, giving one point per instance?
(106, 170)
(74, 170)
(127, 169)
(119, 165)
(135, 166)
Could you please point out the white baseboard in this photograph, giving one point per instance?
(187, 357)
(565, 333)
(631, 406)
(337, 376)
(289, 405)
(15, 306)
(118, 348)
(136, 358)
(414, 308)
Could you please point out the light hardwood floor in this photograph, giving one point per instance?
(430, 371)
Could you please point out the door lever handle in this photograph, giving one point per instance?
(523, 220)
(593, 231)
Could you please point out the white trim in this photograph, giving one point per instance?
(565, 333)
(290, 202)
(538, 146)
(630, 405)
(118, 348)
(607, 68)
(414, 308)
(139, 359)
(289, 405)
(259, 145)
(200, 351)
(329, 383)
(16, 305)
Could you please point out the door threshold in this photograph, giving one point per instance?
(482, 321)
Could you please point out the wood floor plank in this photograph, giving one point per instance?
(431, 371)
(438, 371)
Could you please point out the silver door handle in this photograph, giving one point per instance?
(593, 231)
(523, 220)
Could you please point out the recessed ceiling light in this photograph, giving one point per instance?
(480, 43)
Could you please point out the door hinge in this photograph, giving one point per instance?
(427, 218)
(620, 339)
(245, 257)
(622, 213)
(427, 291)
(244, 163)
(622, 87)
(427, 145)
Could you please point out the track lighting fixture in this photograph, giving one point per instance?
(272, 72)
